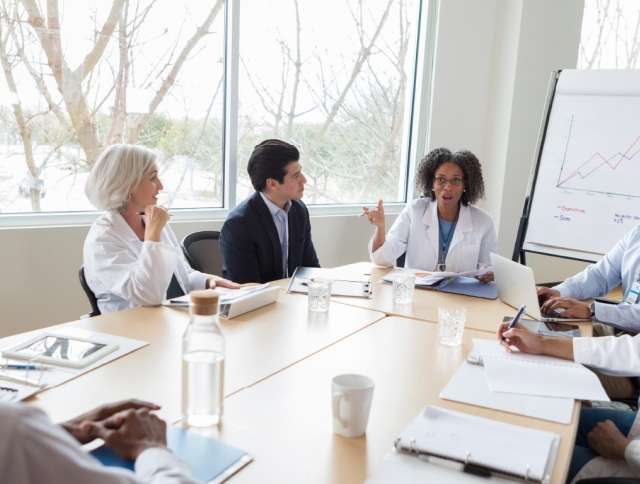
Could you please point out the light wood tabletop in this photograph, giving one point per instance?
(285, 421)
(482, 314)
(258, 344)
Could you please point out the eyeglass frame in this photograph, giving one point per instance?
(443, 182)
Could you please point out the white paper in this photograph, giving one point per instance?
(12, 391)
(469, 385)
(504, 447)
(528, 374)
(429, 278)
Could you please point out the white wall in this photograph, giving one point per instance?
(40, 266)
(492, 62)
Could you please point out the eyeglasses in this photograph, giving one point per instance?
(454, 182)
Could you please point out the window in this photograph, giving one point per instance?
(331, 77)
(335, 78)
(92, 73)
(610, 36)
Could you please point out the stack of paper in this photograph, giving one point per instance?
(516, 372)
(532, 385)
(469, 385)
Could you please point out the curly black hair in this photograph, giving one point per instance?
(468, 163)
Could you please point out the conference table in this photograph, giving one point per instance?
(258, 344)
(278, 369)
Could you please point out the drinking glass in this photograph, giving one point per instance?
(403, 287)
(451, 326)
(319, 295)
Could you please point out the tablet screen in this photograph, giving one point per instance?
(61, 348)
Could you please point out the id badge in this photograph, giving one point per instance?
(634, 292)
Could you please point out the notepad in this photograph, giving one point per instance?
(209, 460)
(497, 446)
(469, 385)
(528, 374)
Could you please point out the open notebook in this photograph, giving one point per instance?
(482, 446)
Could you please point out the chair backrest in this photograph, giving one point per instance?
(95, 310)
(202, 251)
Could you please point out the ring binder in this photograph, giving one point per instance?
(424, 438)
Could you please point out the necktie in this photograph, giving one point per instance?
(284, 243)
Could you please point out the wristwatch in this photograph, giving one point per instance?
(592, 308)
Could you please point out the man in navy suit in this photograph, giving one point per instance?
(268, 235)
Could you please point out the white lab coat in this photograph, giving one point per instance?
(416, 232)
(620, 356)
(621, 265)
(125, 272)
(33, 450)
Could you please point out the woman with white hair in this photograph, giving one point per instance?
(131, 256)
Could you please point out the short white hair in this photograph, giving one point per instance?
(115, 174)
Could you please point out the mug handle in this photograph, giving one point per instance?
(337, 397)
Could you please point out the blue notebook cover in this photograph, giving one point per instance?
(469, 286)
(207, 458)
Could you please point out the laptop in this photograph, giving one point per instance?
(517, 286)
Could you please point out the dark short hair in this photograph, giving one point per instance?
(269, 159)
(468, 163)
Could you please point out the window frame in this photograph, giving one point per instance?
(415, 132)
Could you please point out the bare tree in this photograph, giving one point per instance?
(80, 92)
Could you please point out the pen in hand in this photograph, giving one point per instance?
(516, 318)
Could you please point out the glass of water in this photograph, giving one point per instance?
(319, 295)
(403, 287)
(451, 326)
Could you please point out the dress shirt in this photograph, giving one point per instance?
(416, 233)
(125, 272)
(621, 265)
(33, 450)
(614, 355)
(281, 219)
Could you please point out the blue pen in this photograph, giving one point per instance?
(12, 366)
(517, 317)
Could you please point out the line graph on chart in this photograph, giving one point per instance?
(611, 171)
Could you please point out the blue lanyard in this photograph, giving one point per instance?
(446, 239)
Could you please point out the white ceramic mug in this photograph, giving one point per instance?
(351, 397)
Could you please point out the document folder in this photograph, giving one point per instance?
(209, 460)
(468, 286)
(339, 287)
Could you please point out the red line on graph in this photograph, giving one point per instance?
(612, 162)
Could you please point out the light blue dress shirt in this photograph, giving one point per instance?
(620, 265)
(281, 219)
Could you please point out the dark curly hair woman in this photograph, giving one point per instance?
(442, 230)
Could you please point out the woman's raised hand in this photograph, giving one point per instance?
(156, 218)
(375, 215)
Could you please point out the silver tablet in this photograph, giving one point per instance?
(60, 350)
